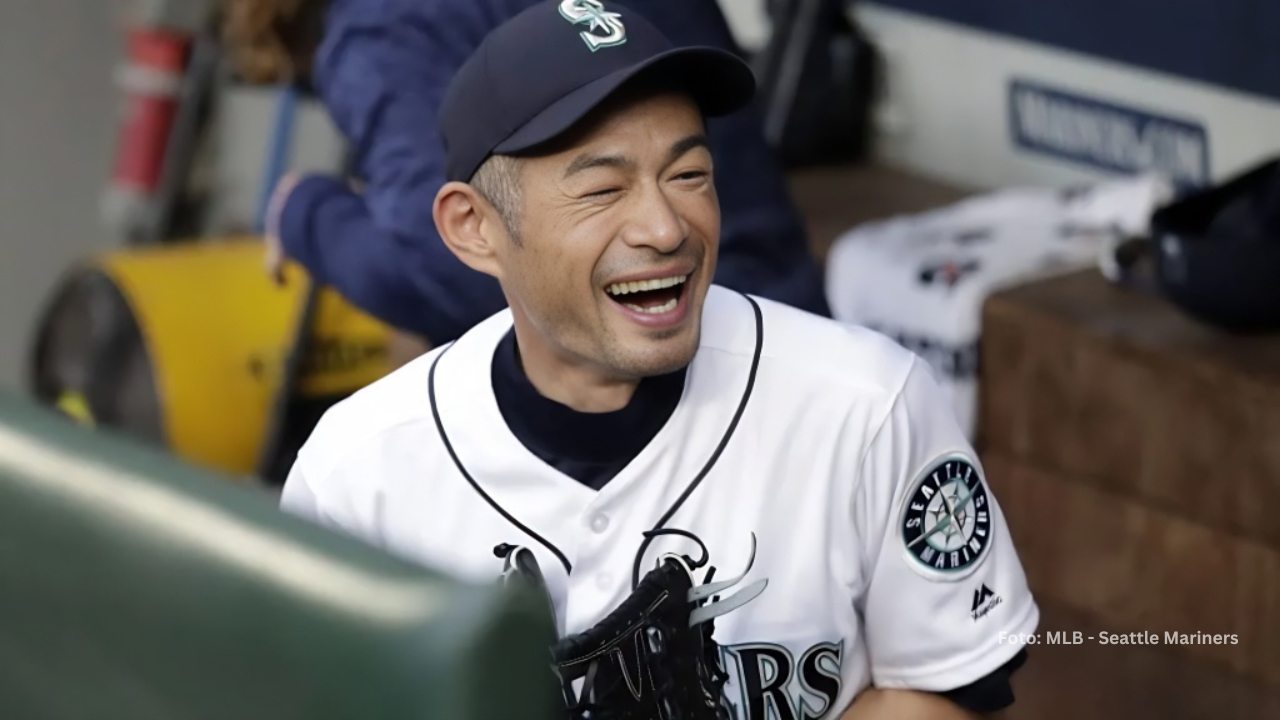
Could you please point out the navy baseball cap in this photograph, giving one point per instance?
(542, 71)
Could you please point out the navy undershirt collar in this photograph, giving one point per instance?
(590, 447)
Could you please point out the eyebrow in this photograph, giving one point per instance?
(683, 146)
(588, 161)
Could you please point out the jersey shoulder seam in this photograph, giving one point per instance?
(866, 449)
(896, 396)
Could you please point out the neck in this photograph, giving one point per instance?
(570, 381)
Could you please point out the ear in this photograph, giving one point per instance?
(470, 227)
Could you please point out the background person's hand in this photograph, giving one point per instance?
(273, 259)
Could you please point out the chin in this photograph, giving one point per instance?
(650, 357)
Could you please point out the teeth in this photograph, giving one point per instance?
(665, 307)
(626, 288)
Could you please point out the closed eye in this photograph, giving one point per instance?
(603, 192)
(692, 175)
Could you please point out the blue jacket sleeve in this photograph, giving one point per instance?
(382, 71)
(412, 282)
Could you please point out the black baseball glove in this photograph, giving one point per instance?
(653, 657)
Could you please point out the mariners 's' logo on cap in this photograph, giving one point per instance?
(604, 29)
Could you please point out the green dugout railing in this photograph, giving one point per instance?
(133, 586)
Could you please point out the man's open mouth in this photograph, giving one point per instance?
(652, 297)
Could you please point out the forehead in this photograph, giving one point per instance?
(632, 118)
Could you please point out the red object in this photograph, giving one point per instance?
(152, 82)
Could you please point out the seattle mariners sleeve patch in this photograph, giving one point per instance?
(946, 520)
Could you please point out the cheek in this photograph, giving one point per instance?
(560, 275)
(702, 212)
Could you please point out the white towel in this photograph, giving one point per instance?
(922, 279)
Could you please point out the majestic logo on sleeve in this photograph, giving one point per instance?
(984, 601)
(604, 29)
(946, 523)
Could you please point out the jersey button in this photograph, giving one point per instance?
(599, 523)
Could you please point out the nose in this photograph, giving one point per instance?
(656, 223)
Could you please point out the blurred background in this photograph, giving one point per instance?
(1069, 208)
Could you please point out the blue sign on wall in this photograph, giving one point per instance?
(1229, 43)
(1107, 135)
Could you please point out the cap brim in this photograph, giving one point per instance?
(719, 81)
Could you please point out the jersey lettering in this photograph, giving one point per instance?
(820, 676)
(766, 683)
(765, 672)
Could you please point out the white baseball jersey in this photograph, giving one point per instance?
(886, 556)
